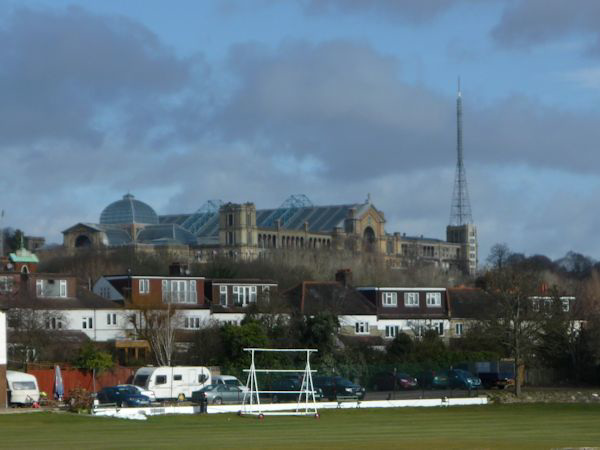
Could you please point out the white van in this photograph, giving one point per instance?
(172, 382)
(229, 380)
(22, 388)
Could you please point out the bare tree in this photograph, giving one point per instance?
(512, 319)
(157, 325)
(32, 333)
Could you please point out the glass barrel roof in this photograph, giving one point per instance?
(128, 210)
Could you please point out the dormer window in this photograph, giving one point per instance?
(51, 288)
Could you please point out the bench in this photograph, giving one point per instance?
(347, 398)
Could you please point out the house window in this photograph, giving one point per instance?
(391, 331)
(230, 220)
(361, 327)
(411, 299)
(390, 299)
(144, 286)
(230, 238)
(179, 291)
(565, 305)
(244, 295)
(87, 323)
(192, 323)
(53, 323)
(62, 288)
(434, 299)
(440, 328)
(39, 288)
(111, 319)
(6, 284)
(266, 293)
(223, 295)
(458, 328)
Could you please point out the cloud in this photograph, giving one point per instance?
(66, 73)
(526, 23)
(347, 107)
(408, 11)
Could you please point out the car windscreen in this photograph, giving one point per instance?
(210, 387)
(343, 382)
(23, 385)
(140, 380)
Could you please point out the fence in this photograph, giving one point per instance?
(76, 378)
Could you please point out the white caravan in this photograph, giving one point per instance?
(22, 388)
(172, 382)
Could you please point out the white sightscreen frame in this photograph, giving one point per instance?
(306, 404)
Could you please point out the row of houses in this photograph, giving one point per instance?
(107, 310)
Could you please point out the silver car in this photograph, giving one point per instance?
(218, 394)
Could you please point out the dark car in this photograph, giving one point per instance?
(434, 379)
(463, 379)
(289, 390)
(391, 381)
(123, 396)
(499, 380)
(335, 386)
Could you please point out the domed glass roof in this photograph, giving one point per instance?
(127, 211)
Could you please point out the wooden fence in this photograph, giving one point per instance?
(76, 378)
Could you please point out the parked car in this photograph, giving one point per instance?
(293, 385)
(499, 380)
(462, 379)
(334, 386)
(122, 396)
(390, 381)
(141, 391)
(229, 380)
(218, 394)
(433, 379)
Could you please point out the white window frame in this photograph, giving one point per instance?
(439, 327)
(111, 319)
(223, 295)
(459, 329)
(391, 331)
(389, 299)
(434, 299)
(411, 299)
(361, 327)
(87, 323)
(144, 284)
(62, 288)
(566, 304)
(39, 288)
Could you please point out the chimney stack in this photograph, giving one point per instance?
(344, 277)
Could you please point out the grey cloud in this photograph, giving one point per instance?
(530, 22)
(341, 103)
(66, 73)
(410, 11)
(348, 107)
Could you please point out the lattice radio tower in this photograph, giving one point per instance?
(460, 213)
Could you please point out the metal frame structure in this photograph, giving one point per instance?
(460, 211)
(287, 209)
(306, 404)
(196, 221)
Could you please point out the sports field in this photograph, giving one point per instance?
(494, 426)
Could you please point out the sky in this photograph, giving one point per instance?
(179, 102)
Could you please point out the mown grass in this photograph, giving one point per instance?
(494, 426)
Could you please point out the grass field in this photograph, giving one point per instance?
(494, 426)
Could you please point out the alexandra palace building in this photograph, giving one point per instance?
(241, 231)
